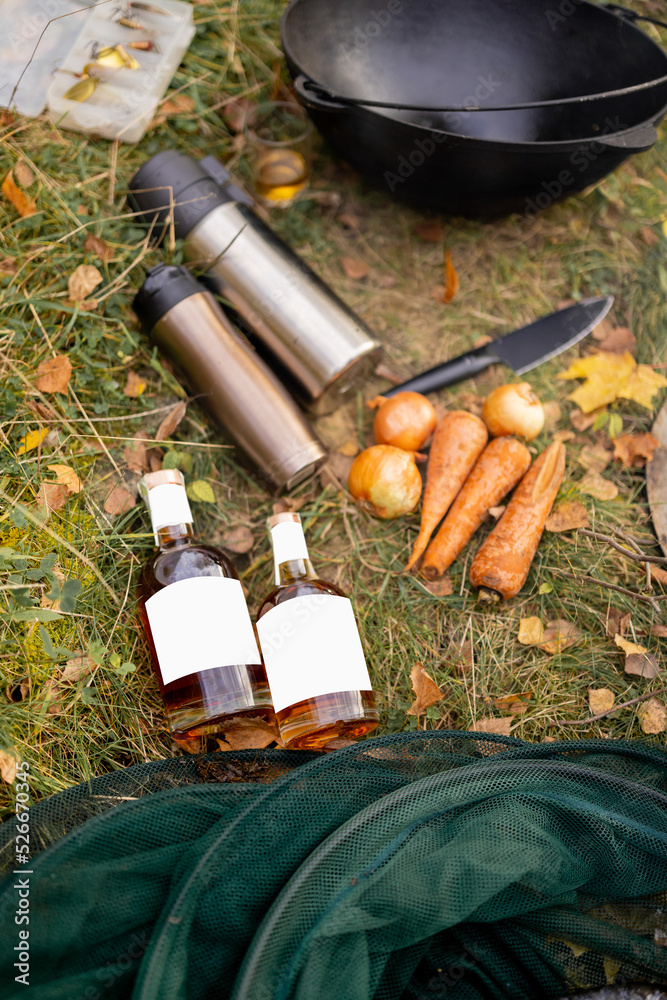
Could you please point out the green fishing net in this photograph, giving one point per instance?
(424, 865)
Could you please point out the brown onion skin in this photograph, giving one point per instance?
(513, 409)
(405, 421)
(385, 481)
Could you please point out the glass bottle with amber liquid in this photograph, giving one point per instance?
(196, 619)
(310, 642)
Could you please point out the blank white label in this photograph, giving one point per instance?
(199, 624)
(168, 504)
(311, 647)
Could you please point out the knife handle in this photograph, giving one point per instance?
(465, 366)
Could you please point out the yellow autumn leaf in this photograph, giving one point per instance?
(611, 967)
(530, 631)
(67, 477)
(664, 226)
(32, 440)
(628, 647)
(642, 385)
(612, 376)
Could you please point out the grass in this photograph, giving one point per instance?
(609, 241)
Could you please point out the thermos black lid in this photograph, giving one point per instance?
(174, 181)
(165, 286)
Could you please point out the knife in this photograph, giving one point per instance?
(521, 350)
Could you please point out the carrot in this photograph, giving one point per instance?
(457, 444)
(501, 566)
(497, 470)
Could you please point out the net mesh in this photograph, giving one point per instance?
(410, 866)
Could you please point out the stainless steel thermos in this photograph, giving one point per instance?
(326, 350)
(238, 389)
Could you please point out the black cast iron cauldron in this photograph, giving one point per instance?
(557, 59)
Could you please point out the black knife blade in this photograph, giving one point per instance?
(521, 350)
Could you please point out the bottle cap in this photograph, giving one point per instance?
(285, 516)
(165, 286)
(174, 186)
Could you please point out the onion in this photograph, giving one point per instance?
(513, 409)
(405, 421)
(385, 481)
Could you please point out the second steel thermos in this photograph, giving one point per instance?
(236, 386)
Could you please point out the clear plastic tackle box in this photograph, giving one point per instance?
(100, 70)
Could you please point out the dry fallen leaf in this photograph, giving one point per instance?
(239, 539)
(619, 340)
(465, 658)
(430, 231)
(336, 471)
(659, 574)
(23, 174)
(628, 647)
(119, 501)
(67, 477)
(567, 516)
(53, 375)
(558, 635)
(52, 496)
(288, 505)
(552, 414)
(516, 703)
(502, 726)
(234, 112)
(8, 767)
(251, 733)
(349, 448)
(170, 422)
(32, 440)
(23, 203)
(451, 278)
(82, 281)
(600, 700)
(8, 266)
(611, 376)
(439, 588)
(531, 631)
(617, 622)
(582, 421)
(426, 690)
(193, 745)
(652, 716)
(18, 691)
(134, 385)
(175, 104)
(564, 436)
(80, 665)
(98, 246)
(339, 744)
(355, 269)
(595, 485)
(497, 512)
(635, 449)
(594, 459)
(134, 455)
(642, 665)
(41, 410)
(659, 631)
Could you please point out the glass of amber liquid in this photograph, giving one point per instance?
(278, 136)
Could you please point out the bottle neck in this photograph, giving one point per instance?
(290, 553)
(173, 535)
(171, 517)
(293, 570)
